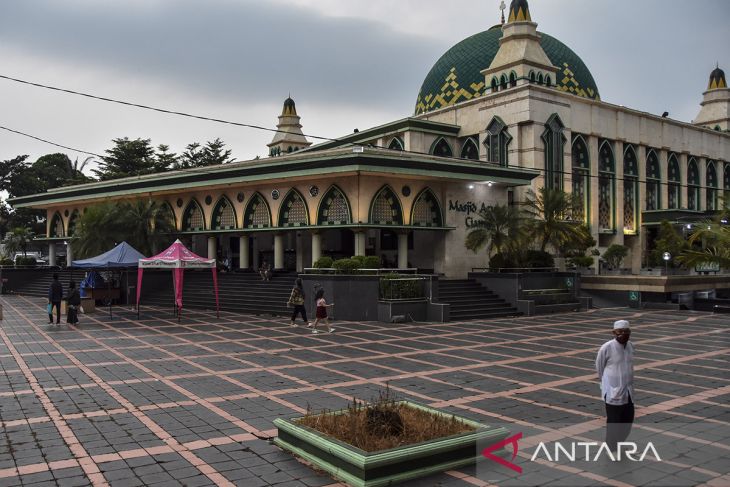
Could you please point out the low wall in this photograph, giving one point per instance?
(518, 286)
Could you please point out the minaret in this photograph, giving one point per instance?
(289, 137)
(715, 111)
(520, 58)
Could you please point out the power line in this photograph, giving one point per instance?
(49, 142)
(156, 109)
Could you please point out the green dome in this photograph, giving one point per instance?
(456, 75)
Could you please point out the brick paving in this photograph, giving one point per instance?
(150, 401)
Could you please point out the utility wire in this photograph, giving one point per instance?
(49, 142)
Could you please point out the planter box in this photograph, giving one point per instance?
(386, 467)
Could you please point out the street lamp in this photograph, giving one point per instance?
(666, 256)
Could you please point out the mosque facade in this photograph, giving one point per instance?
(501, 112)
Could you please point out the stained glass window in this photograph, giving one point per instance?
(554, 141)
(631, 189)
(606, 187)
(675, 182)
(334, 209)
(497, 142)
(257, 213)
(653, 176)
(581, 177)
(193, 217)
(711, 183)
(693, 185)
(293, 211)
(386, 208)
(224, 218)
(426, 210)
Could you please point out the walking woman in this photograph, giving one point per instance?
(297, 300)
(73, 301)
(321, 316)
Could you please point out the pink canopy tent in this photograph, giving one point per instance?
(178, 258)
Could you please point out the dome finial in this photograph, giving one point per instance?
(717, 79)
(519, 11)
(502, 6)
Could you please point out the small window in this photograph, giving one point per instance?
(548, 82)
(495, 85)
(512, 79)
(441, 148)
(503, 83)
(396, 144)
(539, 79)
(532, 76)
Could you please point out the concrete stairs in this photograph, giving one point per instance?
(470, 300)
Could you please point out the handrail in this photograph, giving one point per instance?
(515, 269)
(379, 271)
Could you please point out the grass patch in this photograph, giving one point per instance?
(383, 423)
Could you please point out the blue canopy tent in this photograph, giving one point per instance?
(121, 256)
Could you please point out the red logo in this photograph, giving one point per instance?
(487, 452)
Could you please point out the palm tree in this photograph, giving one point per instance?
(149, 225)
(18, 239)
(499, 228)
(551, 211)
(715, 236)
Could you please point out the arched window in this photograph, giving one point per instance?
(396, 144)
(503, 82)
(386, 208)
(56, 227)
(675, 182)
(581, 176)
(167, 213)
(653, 181)
(495, 84)
(257, 213)
(470, 149)
(192, 219)
(224, 215)
(512, 79)
(72, 221)
(426, 211)
(293, 210)
(726, 181)
(441, 148)
(497, 142)
(531, 76)
(693, 185)
(711, 183)
(334, 209)
(554, 141)
(606, 187)
(548, 81)
(539, 78)
(631, 189)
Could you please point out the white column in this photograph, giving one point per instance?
(212, 243)
(300, 252)
(243, 256)
(360, 243)
(52, 254)
(278, 251)
(402, 250)
(316, 246)
(69, 254)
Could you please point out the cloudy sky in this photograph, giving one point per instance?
(346, 63)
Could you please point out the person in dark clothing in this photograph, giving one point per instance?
(297, 301)
(73, 301)
(55, 295)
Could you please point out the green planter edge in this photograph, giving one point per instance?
(359, 468)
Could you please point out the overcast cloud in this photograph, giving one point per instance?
(347, 64)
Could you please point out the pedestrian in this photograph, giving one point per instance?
(297, 301)
(73, 301)
(321, 315)
(265, 271)
(615, 367)
(55, 295)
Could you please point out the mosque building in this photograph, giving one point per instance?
(503, 111)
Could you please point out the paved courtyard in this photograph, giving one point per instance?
(127, 402)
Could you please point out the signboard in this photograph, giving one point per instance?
(633, 295)
(708, 267)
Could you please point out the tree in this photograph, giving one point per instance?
(143, 223)
(212, 154)
(499, 227)
(18, 240)
(551, 210)
(668, 240)
(129, 158)
(165, 158)
(714, 234)
(614, 255)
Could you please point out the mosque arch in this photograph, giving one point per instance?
(539, 79)
(386, 208)
(674, 182)
(503, 82)
(554, 142)
(653, 181)
(711, 183)
(606, 187)
(497, 141)
(470, 149)
(441, 147)
(581, 171)
(494, 84)
(726, 177)
(396, 144)
(512, 79)
(56, 228)
(693, 185)
(426, 210)
(224, 215)
(293, 211)
(548, 81)
(631, 189)
(334, 208)
(531, 76)
(257, 213)
(166, 211)
(193, 218)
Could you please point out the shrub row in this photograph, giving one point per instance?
(348, 266)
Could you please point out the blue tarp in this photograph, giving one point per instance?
(123, 255)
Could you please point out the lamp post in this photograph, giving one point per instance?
(666, 256)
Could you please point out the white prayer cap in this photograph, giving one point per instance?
(620, 324)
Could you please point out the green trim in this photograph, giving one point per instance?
(260, 198)
(217, 209)
(284, 168)
(354, 226)
(289, 194)
(186, 216)
(397, 202)
(426, 192)
(333, 189)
